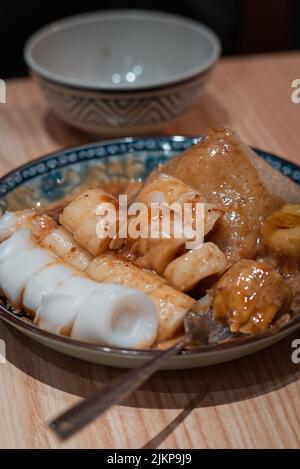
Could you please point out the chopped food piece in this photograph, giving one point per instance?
(281, 231)
(193, 266)
(20, 259)
(171, 305)
(93, 274)
(39, 224)
(81, 217)
(249, 295)
(64, 300)
(170, 190)
(109, 268)
(219, 167)
(60, 241)
(158, 253)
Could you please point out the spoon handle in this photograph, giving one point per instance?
(87, 410)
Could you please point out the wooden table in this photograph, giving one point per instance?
(250, 403)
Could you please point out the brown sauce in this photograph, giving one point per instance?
(115, 188)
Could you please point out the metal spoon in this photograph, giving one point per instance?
(201, 329)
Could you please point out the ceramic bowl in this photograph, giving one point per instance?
(122, 72)
(49, 179)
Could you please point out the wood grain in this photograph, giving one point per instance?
(249, 403)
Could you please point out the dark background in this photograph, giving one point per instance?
(244, 26)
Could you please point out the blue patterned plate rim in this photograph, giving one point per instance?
(134, 144)
(116, 146)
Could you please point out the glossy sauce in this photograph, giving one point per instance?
(249, 296)
(219, 169)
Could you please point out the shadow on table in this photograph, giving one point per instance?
(241, 379)
(65, 134)
(245, 378)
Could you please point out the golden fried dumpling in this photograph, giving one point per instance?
(249, 296)
(281, 231)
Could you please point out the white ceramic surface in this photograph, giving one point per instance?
(122, 50)
(122, 72)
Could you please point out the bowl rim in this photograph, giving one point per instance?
(197, 80)
(121, 14)
(20, 323)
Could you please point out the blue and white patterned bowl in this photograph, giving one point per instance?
(122, 72)
(49, 179)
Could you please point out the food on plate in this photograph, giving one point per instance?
(81, 217)
(157, 253)
(62, 243)
(281, 231)
(186, 271)
(221, 168)
(241, 263)
(171, 305)
(10, 222)
(249, 296)
(63, 300)
(167, 189)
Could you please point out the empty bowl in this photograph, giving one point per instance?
(122, 72)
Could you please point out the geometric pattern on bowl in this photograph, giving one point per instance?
(96, 111)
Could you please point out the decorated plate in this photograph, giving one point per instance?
(47, 180)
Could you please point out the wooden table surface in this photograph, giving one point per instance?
(250, 403)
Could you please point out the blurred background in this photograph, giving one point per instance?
(244, 26)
